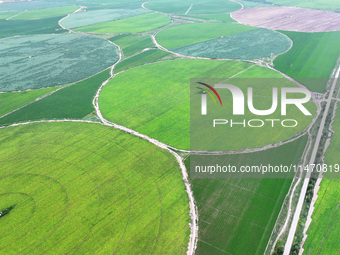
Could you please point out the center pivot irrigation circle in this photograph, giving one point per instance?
(223, 41)
(36, 61)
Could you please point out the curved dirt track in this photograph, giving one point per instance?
(289, 19)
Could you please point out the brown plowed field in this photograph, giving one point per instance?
(289, 19)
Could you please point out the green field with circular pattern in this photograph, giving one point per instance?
(154, 99)
(85, 188)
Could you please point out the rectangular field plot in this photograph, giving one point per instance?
(237, 216)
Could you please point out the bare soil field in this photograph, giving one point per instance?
(289, 19)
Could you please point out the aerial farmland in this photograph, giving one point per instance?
(199, 127)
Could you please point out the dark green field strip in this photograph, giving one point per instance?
(94, 190)
(313, 56)
(237, 216)
(131, 44)
(74, 102)
(149, 56)
(10, 101)
(27, 27)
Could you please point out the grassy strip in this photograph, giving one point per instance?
(89, 189)
(74, 102)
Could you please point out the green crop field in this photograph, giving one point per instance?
(10, 101)
(193, 7)
(72, 183)
(54, 59)
(46, 13)
(74, 102)
(29, 5)
(324, 230)
(187, 34)
(237, 216)
(88, 18)
(131, 44)
(145, 57)
(223, 41)
(85, 188)
(139, 23)
(312, 58)
(6, 15)
(27, 27)
(149, 98)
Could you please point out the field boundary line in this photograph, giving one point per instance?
(242, 6)
(193, 208)
(44, 121)
(189, 9)
(35, 100)
(15, 15)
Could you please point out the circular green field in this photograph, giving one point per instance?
(36, 61)
(88, 189)
(154, 100)
(192, 7)
(223, 41)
